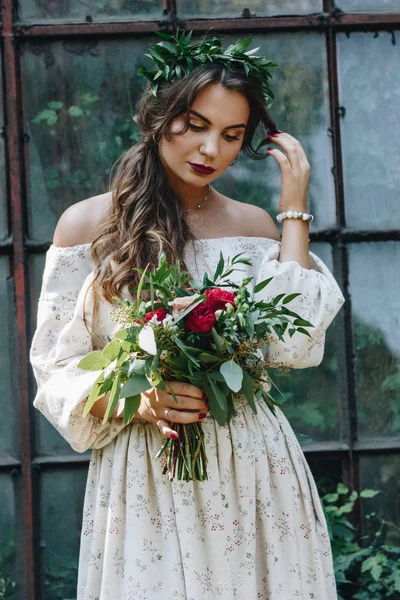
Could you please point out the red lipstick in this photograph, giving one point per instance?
(202, 169)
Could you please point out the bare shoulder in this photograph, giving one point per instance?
(256, 221)
(79, 221)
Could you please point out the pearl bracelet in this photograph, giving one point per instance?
(294, 215)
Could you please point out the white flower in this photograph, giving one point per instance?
(154, 320)
(147, 341)
(169, 322)
(164, 355)
(218, 313)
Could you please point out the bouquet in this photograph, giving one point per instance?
(193, 331)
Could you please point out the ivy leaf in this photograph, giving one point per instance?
(341, 488)
(367, 493)
(55, 104)
(49, 115)
(75, 111)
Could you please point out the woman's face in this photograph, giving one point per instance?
(218, 118)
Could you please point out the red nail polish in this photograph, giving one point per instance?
(270, 148)
(202, 416)
(273, 135)
(175, 435)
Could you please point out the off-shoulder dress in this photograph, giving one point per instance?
(255, 529)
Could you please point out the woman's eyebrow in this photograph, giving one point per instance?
(209, 122)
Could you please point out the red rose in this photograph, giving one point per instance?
(217, 298)
(201, 319)
(160, 313)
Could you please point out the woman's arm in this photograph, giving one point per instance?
(295, 244)
(295, 171)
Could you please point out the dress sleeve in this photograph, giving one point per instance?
(320, 301)
(58, 344)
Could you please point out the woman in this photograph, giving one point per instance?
(255, 528)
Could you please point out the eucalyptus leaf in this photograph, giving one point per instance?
(111, 350)
(134, 385)
(113, 400)
(95, 394)
(93, 361)
(248, 391)
(131, 406)
(233, 375)
(218, 402)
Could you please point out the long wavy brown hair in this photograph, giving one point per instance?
(146, 217)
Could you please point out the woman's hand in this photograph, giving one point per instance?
(191, 407)
(295, 171)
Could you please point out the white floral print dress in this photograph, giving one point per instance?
(255, 529)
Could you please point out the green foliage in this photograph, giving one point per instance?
(60, 577)
(7, 560)
(365, 568)
(176, 57)
(81, 116)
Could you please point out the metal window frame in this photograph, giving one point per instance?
(25, 466)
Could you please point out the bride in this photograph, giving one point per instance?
(255, 528)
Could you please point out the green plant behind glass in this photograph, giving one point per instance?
(366, 571)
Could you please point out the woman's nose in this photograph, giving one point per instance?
(210, 147)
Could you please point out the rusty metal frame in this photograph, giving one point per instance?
(329, 22)
(14, 186)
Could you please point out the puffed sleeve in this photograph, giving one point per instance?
(319, 303)
(59, 342)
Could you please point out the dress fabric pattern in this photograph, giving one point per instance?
(255, 529)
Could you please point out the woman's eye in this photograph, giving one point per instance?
(230, 138)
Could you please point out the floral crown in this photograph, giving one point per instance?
(176, 57)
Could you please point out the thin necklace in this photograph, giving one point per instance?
(199, 205)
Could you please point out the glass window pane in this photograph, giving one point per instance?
(6, 407)
(382, 473)
(234, 8)
(8, 589)
(79, 103)
(61, 508)
(301, 108)
(369, 80)
(92, 89)
(42, 11)
(327, 472)
(3, 209)
(375, 292)
(312, 394)
(48, 440)
(369, 6)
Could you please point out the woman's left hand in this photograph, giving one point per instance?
(295, 171)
